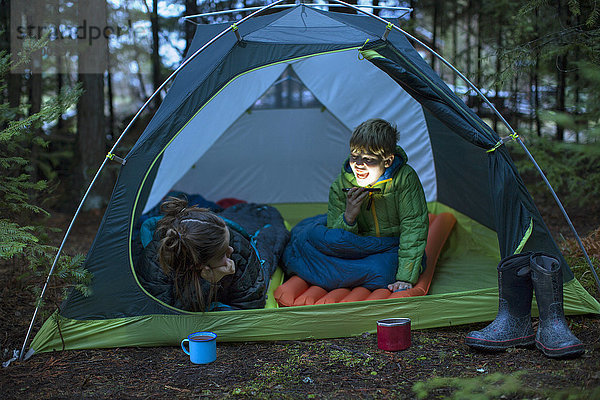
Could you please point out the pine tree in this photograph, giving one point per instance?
(559, 41)
(21, 238)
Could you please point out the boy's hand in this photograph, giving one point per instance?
(354, 199)
(399, 285)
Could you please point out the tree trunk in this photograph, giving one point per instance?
(454, 40)
(516, 116)
(155, 56)
(434, 31)
(577, 96)
(14, 80)
(560, 94)
(499, 100)
(142, 86)
(191, 8)
(469, 36)
(561, 78)
(34, 86)
(376, 11)
(343, 9)
(59, 86)
(91, 129)
(536, 85)
(479, 71)
(536, 82)
(156, 75)
(111, 106)
(14, 89)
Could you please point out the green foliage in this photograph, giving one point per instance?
(495, 386)
(551, 50)
(69, 272)
(581, 271)
(20, 235)
(573, 170)
(14, 238)
(586, 119)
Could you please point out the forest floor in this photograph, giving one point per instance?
(437, 365)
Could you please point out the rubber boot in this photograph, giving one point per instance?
(554, 338)
(512, 326)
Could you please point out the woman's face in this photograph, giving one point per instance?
(220, 265)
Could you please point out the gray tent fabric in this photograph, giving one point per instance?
(271, 40)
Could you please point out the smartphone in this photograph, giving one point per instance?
(372, 190)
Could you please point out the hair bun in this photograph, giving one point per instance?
(173, 206)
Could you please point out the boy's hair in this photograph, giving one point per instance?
(375, 136)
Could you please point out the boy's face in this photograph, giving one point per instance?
(368, 167)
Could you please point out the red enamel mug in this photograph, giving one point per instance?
(393, 334)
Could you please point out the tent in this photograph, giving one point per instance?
(213, 135)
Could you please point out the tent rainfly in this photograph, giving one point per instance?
(213, 135)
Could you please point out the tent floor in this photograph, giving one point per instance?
(463, 290)
(462, 259)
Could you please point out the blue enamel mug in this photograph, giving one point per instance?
(202, 347)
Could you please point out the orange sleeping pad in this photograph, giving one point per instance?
(297, 292)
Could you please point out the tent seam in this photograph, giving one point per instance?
(416, 71)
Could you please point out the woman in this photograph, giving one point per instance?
(201, 261)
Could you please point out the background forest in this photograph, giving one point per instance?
(74, 73)
(64, 102)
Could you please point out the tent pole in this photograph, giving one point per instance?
(39, 302)
(188, 18)
(144, 106)
(512, 131)
(259, 11)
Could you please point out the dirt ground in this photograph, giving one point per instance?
(437, 365)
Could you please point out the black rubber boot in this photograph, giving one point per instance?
(512, 326)
(554, 338)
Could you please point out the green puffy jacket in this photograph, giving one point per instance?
(398, 210)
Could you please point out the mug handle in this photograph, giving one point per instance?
(186, 351)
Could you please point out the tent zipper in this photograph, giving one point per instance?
(372, 208)
(370, 205)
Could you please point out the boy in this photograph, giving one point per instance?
(398, 209)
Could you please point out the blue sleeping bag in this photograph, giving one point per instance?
(335, 258)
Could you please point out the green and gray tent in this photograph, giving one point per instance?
(219, 133)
